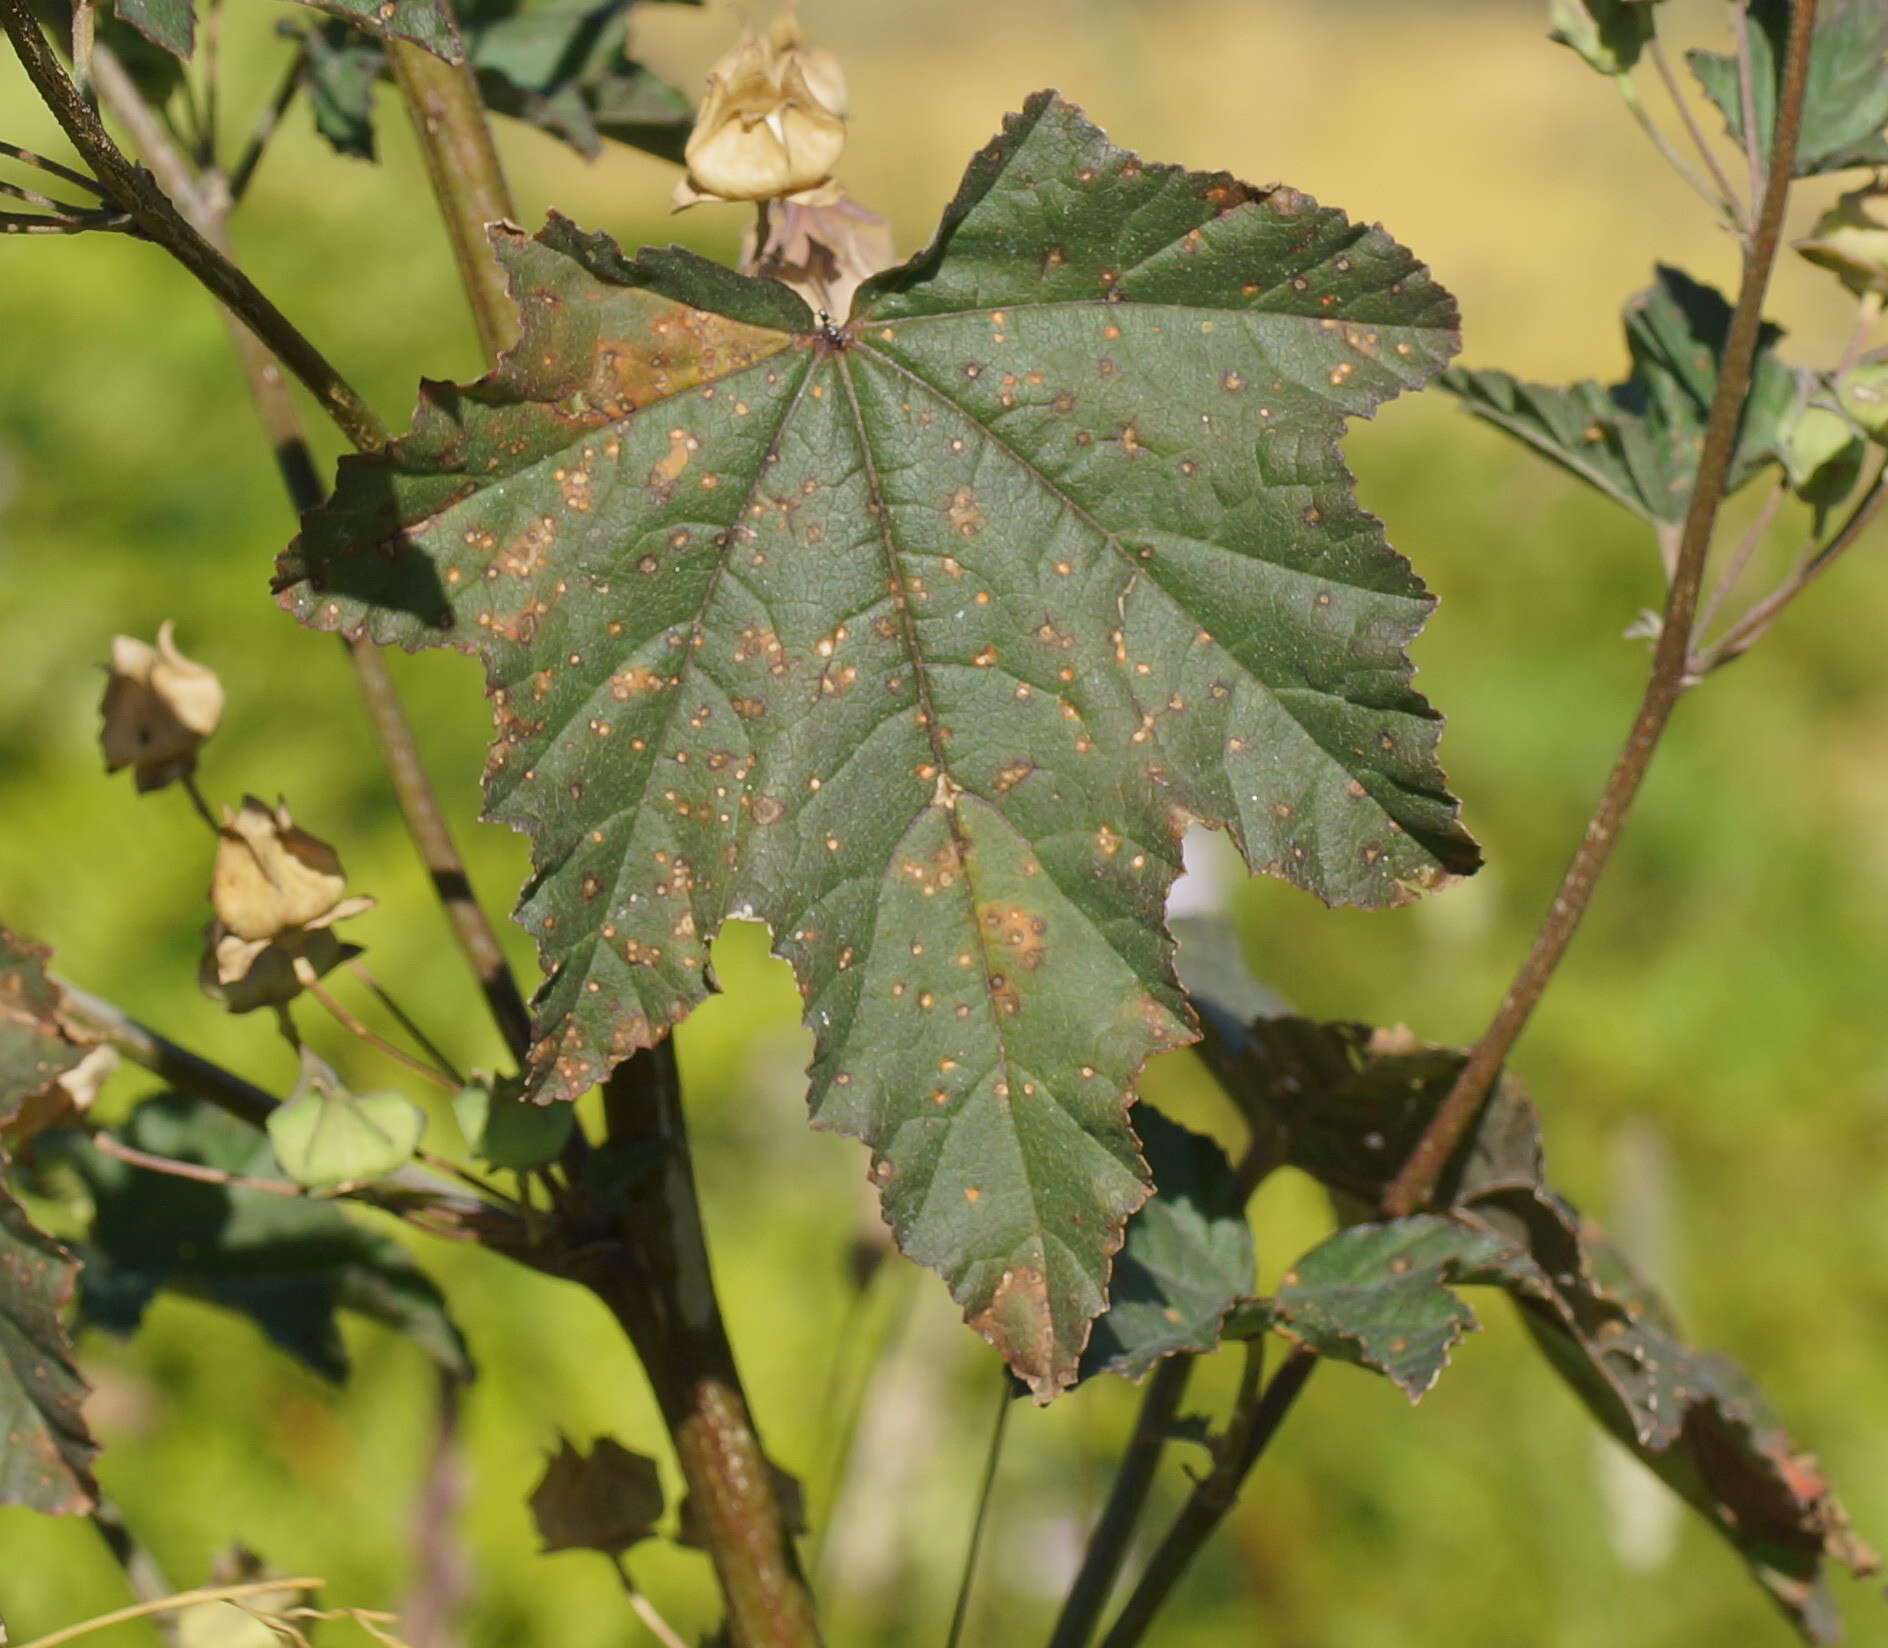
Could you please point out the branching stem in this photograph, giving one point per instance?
(133, 190)
(1254, 1424)
(1670, 673)
(1127, 1497)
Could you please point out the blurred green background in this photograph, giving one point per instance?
(1712, 1063)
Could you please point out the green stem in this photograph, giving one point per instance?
(461, 160)
(134, 192)
(1254, 1426)
(1670, 674)
(1127, 1497)
(980, 1518)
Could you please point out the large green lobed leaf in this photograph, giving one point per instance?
(920, 640)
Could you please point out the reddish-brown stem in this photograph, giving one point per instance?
(1670, 674)
(649, 1265)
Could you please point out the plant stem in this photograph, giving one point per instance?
(242, 174)
(648, 1262)
(1739, 558)
(654, 1275)
(462, 162)
(1127, 1497)
(1727, 194)
(379, 1043)
(644, 1609)
(1213, 1496)
(980, 1518)
(424, 1042)
(281, 422)
(181, 1599)
(133, 190)
(162, 1057)
(1747, 104)
(107, 1145)
(1646, 124)
(141, 1569)
(1670, 674)
(1742, 635)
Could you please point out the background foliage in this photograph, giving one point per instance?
(1721, 1012)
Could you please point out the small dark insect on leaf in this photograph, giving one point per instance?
(830, 332)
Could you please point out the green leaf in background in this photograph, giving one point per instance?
(1378, 1295)
(504, 1130)
(1186, 1257)
(325, 1135)
(560, 65)
(171, 24)
(46, 1451)
(564, 65)
(1608, 34)
(1823, 449)
(343, 67)
(1638, 442)
(427, 23)
(1845, 103)
(919, 641)
(288, 1263)
(1348, 1103)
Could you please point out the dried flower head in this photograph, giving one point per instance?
(158, 708)
(773, 123)
(277, 891)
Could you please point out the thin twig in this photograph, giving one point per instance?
(212, 81)
(32, 197)
(1642, 116)
(644, 1609)
(202, 807)
(425, 1042)
(133, 190)
(1742, 635)
(1740, 215)
(433, 841)
(1747, 102)
(1670, 673)
(379, 1043)
(980, 1518)
(1740, 557)
(181, 1599)
(29, 223)
(1212, 1497)
(1127, 1497)
(243, 173)
(141, 1569)
(108, 1144)
(28, 157)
